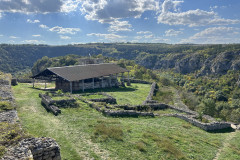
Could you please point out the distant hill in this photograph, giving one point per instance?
(187, 58)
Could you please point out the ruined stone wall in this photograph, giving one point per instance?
(135, 81)
(34, 148)
(205, 126)
(151, 93)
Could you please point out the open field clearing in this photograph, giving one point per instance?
(84, 133)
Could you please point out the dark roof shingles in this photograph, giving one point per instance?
(79, 72)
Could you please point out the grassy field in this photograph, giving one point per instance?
(84, 133)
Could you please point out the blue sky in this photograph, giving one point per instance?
(58, 22)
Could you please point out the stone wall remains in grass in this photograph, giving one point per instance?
(109, 99)
(205, 126)
(53, 105)
(34, 148)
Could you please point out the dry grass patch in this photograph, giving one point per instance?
(104, 131)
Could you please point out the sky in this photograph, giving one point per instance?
(61, 22)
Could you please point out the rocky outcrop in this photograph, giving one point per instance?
(203, 64)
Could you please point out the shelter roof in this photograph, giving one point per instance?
(80, 72)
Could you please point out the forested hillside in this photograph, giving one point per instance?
(188, 58)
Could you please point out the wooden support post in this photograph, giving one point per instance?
(45, 84)
(102, 82)
(110, 81)
(83, 85)
(33, 82)
(93, 83)
(70, 87)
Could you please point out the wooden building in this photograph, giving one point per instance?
(81, 77)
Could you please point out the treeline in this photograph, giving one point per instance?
(136, 71)
(14, 58)
(217, 96)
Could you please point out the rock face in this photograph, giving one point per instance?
(196, 62)
(34, 148)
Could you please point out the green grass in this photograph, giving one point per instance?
(232, 151)
(57, 98)
(164, 94)
(134, 94)
(94, 96)
(84, 133)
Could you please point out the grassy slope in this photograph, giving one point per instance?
(143, 138)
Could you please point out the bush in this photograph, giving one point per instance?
(189, 99)
(208, 106)
(219, 95)
(220, 106)
(165, 81)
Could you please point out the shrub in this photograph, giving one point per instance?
(189, 99)
(208, 106)
(219, 95)
(165, 81)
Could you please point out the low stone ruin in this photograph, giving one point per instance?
(205, 126)
(109, 99)
(53, 105)
(34, 148)
(9, 116)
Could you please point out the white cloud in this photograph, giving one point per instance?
(70, 5)
(43, 26)
(172, 32)
(108, 10)
(13, 37)
(33, 41)
(1, 35)
(61, 30)
(65, 37)
(1, 15)
(119, 26)
(36, 35)
(144, 32)
(171, 15)
(34, 21)
(110, 37)
(215, 35)
(30, 6)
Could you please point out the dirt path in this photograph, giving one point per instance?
(225, 144)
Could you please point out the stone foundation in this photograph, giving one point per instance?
(34, 148)
(205, 126)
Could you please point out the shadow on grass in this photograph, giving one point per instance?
(43, 89)
(120, 89)
(226, 130)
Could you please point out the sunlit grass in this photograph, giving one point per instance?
(84, 133)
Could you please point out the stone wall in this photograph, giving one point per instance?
(205, 126)
(53, 105)
(34, 148)
(128, 113)
(136, 81)
(151, 93)
(109, 99)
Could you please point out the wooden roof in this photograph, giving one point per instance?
(80, 72)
